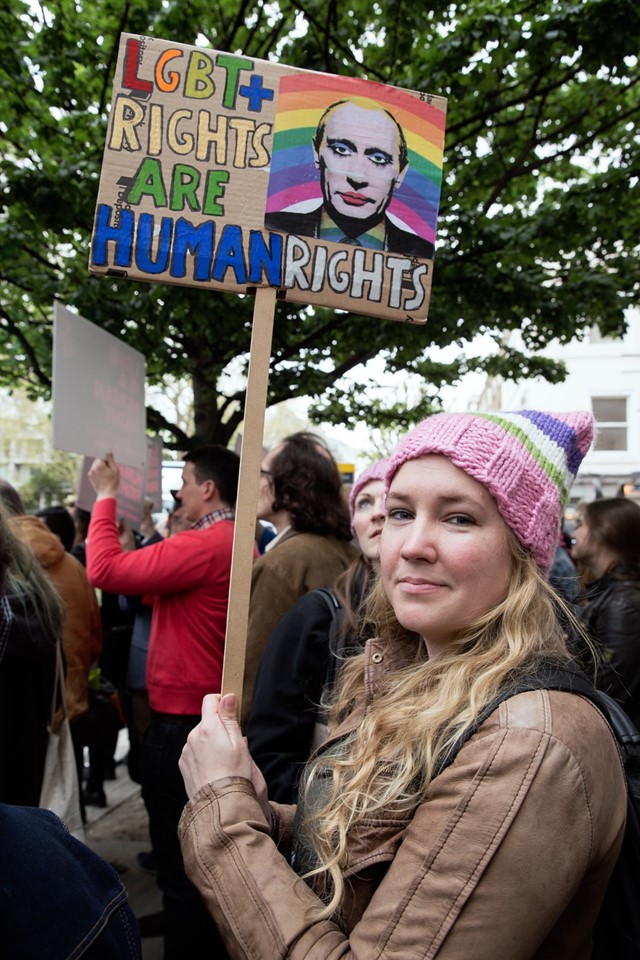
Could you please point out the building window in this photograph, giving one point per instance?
(611, 416)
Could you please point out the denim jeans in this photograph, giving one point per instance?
(59, 899)
(189, 930)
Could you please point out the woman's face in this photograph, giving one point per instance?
(368, 518)
(582, 547)
(444, 550)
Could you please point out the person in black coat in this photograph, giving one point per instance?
(303, 654)
(58, 899)
(607, 547)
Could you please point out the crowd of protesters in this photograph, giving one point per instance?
(315, 816)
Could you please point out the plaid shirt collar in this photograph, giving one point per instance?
(224, 513)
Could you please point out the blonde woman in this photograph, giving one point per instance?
(504, 854)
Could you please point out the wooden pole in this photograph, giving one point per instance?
(250, 459)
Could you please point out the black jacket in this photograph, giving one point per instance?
(611, 613)
(287, 693)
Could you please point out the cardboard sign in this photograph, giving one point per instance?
(136, 485)
(230, 173)
(98, 392)
(153, 473)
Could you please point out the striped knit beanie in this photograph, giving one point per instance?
(528, 461)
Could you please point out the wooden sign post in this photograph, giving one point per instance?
(244, 534)
(229, 173)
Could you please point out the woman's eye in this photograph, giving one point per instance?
(399, 514)
(365, 504)
(461, 520)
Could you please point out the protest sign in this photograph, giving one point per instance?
(98, 392)
(153, 473)
(137, 484)
(231, 173)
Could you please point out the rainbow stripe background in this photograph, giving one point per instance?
(294, 180)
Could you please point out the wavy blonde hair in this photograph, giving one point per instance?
(420, 710)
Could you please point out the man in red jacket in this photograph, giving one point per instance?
(188, 576)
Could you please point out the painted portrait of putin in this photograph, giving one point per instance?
(360, 152)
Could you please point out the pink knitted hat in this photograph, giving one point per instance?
(528, 461)
(375, 471)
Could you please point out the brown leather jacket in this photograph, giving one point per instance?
(507, 859)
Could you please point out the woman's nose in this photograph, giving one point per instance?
(420, 542)
(378, 510)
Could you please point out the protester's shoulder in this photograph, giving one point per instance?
(314, 544)
(315, 607)
(199, 539)
(611, 597)
(547, 711)
(626, 594)
(34, 532)
(560, 722)
(220, 530)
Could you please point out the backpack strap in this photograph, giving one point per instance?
(337, 638)
(617, 929)
(336, 646)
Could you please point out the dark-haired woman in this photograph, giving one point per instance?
(607, 547)
(301, 494)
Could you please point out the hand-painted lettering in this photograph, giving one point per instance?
(255, 93)
(177, 248)
(374, 277)
(137, 127)
(148, 182)
(232, 67)
(167, 82)
(197, 242)
(338, 279)
(198, 76)
(126, 117)
(180, 142)
(198, 84)
(415, 302)
(131, 80)
(147, 260)
(215, 184)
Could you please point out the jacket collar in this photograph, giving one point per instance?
(380, 657)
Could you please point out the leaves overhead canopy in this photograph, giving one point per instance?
(539, 215)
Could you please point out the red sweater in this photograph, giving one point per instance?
(188, 575)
